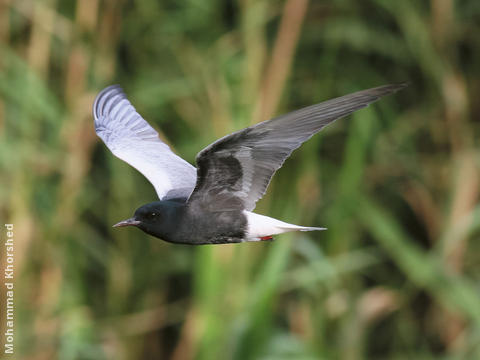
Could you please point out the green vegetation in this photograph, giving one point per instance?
(397, 274)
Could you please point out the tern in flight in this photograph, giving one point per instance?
(213, 203)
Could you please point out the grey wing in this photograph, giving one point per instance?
(132, 139)
(235, 171)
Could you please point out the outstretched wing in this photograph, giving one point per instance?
(132, 139)
(234, 171)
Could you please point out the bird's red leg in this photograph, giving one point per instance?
(266, 238)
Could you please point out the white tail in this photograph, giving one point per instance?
(261, 226)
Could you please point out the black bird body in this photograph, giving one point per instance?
(179, 222)
(213, 203)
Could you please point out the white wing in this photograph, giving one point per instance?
(132, 139)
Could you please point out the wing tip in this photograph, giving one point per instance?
(374, 94)
(388, 89)
(102, 96)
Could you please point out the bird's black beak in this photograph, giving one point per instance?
(128, 222)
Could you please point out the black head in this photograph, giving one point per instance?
(153, 218)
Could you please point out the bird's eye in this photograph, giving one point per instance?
(152, 215)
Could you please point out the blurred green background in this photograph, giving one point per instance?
(397, 274)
